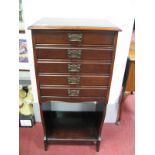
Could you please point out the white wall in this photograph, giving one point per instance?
(120, 13)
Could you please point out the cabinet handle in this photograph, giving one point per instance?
(73, 92)
(73, 80)
(73, 67)
(74, 53)
(75, 37)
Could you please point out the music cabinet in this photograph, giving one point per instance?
(73, 61)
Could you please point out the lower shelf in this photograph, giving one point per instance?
(74, 126)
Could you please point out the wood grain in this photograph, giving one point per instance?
(73, 24)
(85, 80)
(61, 37)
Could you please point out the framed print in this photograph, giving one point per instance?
(23, 52)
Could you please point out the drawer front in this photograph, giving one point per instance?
(84, 54)
(74, 37)
(73, 99)
(62, 67)
(72, 92)
(73, 80)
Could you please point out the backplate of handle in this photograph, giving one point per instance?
(73, 80)
(73, 67)
(73, 92)
(75, 37)
(74, 53)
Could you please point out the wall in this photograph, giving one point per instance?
(120, 13)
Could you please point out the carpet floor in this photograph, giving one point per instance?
(117, 140)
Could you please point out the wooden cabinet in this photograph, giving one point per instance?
(73, 64)
(130, 81)
(128, 85)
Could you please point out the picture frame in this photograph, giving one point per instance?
(23, 51)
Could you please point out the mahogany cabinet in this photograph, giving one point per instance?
(73, 64)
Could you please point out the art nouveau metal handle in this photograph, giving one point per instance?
(73, 92)
(73, 80)
(73, 67)
(75, 37)
(74, 53)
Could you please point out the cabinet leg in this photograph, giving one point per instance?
(132, 92)
(45, 145)
(118, 122)
(97, 146)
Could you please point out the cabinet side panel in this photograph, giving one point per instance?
(112, 65)
(111, 73)
(37, 82)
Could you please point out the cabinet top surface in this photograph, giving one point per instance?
(73, 24)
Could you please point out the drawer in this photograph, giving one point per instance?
(75, 67)
(48, 91)
(85, 100)
(75, 53)
(74, 37)
(84, 80)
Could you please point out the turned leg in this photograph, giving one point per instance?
(98, 146)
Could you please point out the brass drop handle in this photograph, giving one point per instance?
(74, 53)
(73, 80)
(73, 92)
(73, 67)
(75, 37)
